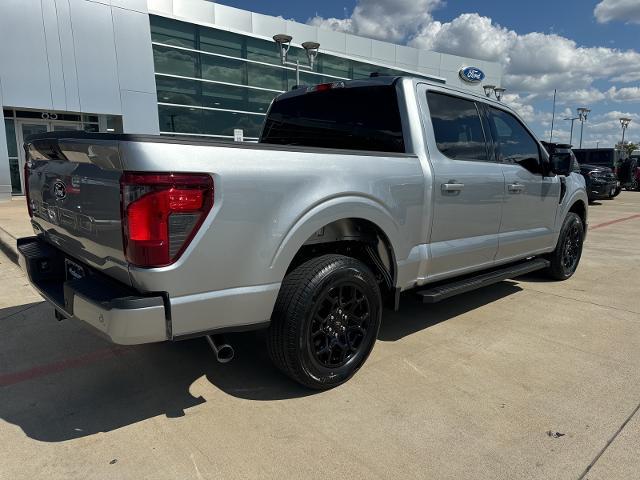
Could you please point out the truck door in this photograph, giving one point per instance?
(468, 189)
(531, 201)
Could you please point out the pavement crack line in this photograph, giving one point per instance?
(608, 444)
(20, 311)
(583, 301)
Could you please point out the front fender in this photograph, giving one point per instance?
(331, 210)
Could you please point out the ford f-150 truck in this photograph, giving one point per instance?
(356, 191)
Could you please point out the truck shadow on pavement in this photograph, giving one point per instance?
(59, 381)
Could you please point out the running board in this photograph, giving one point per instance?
(441, 292)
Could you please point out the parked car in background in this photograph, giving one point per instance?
(599, 167)
(600, 182)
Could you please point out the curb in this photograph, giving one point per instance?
(8, 245)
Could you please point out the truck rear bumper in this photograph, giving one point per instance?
(115, 310)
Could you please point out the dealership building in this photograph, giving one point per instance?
(188, 67)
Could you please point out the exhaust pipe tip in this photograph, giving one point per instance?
(225, 353)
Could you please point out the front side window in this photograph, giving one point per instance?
(457, 127)
(514, 143)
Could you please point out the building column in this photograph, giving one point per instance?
(5, 174)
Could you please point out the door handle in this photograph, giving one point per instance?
(516, 188)
(452, 187)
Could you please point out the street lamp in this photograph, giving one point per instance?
(624, 122)
(492, 89)
(488, 89)
(573, 119)
(283, 41)
(583, 112)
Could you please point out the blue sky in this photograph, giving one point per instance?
(587, 49)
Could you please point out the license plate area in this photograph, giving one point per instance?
(73, 270)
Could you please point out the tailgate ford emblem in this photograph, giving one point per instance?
(59, 190)
(471, 74)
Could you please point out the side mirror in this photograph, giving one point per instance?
(561, 163)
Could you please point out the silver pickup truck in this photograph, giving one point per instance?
(356, 191)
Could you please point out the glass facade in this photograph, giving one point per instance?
(210, 81)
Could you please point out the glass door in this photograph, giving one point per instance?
(25, 129)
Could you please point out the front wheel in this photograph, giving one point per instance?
(565, 258)
(325, 321)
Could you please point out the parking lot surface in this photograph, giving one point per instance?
(524, 379)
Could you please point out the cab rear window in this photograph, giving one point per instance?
(358, 118)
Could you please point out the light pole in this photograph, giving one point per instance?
(573, 119)
(624, 123)
(583, 112)
(284, 43)
(497, 91)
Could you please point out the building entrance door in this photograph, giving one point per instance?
(26, 128)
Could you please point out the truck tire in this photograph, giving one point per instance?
(565, 258)
(325, 321)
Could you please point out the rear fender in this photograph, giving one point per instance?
(330, 211)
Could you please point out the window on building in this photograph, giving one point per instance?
(364, 118)
(176, 62)
(180, 34)
(515, 144)
(222, 42)
(457, 127)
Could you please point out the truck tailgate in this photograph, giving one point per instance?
(73, 188)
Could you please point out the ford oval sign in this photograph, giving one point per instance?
(471, 74)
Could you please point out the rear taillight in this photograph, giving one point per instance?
(161, 213)
(26, 187)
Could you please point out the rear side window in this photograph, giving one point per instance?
(358, 118)
(457, 127)
(515, 144)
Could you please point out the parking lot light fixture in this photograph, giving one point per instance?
(488, 89)
(624, 122)
(312, 52)
(499, 93)
(583, 113)
(284, 43)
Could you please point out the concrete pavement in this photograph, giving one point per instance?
(524, 379)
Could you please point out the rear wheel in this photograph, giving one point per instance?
(565, 258)
(325, 321)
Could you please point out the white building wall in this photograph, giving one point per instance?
(85, 56)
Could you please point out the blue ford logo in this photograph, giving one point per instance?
(59, 190)
(471, 74)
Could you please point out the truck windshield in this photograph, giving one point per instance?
(358, 118)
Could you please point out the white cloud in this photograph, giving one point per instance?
(626, 94)
(533, 62)
(627, 11)
(390, 20)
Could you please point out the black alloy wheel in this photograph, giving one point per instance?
(339, 325)
(566, 257)
(325, 321)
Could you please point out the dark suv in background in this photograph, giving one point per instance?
(598, 166)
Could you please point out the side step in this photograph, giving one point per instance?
(443, 291)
